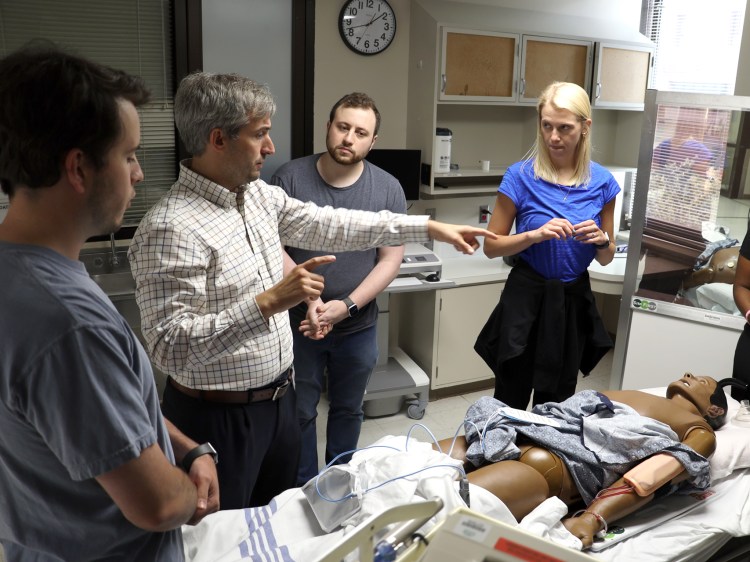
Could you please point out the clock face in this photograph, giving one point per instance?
(367, 26)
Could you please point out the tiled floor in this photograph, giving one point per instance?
(442, 417)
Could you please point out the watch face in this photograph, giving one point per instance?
(367, 26)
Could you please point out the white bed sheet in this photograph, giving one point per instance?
(286, 529)
(693, 536)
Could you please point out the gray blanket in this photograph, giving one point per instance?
(599, 440)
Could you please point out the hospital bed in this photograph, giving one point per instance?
(713, 526)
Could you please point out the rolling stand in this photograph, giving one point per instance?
(396, 375)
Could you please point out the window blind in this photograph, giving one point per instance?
(133, 35)
(697, 50)
(697, 44)
(687, 165)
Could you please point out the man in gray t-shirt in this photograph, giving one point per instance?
(340, 177)
(87, 462)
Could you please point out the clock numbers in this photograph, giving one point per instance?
(367, 26)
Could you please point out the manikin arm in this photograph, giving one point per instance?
(620, 499)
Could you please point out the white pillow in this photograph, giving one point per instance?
(732, 441)
(717, 297)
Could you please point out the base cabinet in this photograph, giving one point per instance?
(438, 330)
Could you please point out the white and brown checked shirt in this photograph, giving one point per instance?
(198, 267)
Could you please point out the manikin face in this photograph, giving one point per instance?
(697, 390)
(247, 152)
(351, 134)
(113, 185)
(561, 131)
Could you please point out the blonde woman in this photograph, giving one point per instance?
(546, 326)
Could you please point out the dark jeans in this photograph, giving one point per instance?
(257, 443)
(349, 360)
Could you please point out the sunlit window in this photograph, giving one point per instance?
(697, 43)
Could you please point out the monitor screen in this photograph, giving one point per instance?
(404, 164)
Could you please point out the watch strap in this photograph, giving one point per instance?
(604, 244)
(199, 451)
(351, 308)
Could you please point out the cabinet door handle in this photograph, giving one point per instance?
(598, 90)
(523, 87)
(442, 83)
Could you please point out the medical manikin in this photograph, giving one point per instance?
(693, 407)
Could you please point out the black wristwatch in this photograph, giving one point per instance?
(351, 307)
(603, 244)
(199, 451)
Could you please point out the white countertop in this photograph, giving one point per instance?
(478, 268)
(475, 269)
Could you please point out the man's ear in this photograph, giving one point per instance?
(374, 138)
(217, 139)
(77, 169)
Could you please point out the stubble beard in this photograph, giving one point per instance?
(100, 208)
(350, 160)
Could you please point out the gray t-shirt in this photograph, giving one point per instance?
(375, 190)
(77, 399)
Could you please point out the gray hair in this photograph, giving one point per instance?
(205, 101)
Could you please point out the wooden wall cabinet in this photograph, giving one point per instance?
(438, 330)
(478, 66)
(547, 59)
(483, 66)
(621, 76)
(462, 56)
(505, 68)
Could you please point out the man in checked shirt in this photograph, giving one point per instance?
(207, 260)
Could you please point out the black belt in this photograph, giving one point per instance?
(237, 396)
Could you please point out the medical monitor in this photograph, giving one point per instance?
(402, 163)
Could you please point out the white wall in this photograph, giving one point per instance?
(254, 39)
(590, 18)
(627, 12)
(742, 84)
(338, 70)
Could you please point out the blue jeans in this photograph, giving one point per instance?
(349, 360)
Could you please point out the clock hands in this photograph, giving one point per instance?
(373, 20)
(367, 30)
(382, 15)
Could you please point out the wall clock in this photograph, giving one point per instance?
(367, 26)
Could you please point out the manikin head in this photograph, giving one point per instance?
(706, 394)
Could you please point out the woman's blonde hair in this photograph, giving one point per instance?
(563, 95)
